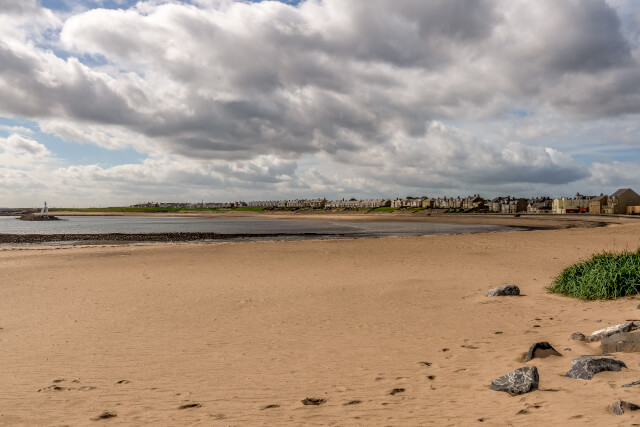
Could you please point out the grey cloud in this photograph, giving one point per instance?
(38, 85)
(357, 81)
(587, 38)
(21, 7)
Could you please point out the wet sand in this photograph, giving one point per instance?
(392, 331)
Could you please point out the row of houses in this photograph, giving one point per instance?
(623, 201)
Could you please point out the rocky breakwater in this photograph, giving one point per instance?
(138, 237)
(38, 217)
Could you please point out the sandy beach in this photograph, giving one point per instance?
(393, 331)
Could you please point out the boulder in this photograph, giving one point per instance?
(505, 290)
(585, 367)
(600, 334)
(627, 342)
(619, 406)
(577, 336)
(541, 350)
(520, 381)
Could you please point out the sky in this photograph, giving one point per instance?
(116, 102)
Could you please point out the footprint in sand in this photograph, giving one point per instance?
(190, 405)
(396, 391)
(53, 388)
(270, 407)
(123, 382)
(105, 416)
(313, 401)
(424, 363)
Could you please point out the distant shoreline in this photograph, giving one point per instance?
(522, 223)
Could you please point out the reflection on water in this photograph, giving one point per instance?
(147, 224)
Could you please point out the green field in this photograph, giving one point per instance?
(139, 209)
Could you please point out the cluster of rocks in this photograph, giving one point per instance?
(138, 237)
(38, 217)
(613, 339)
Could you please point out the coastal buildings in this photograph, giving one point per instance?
(575, 204)
(597, 204)
(623, 201)
(357, 204)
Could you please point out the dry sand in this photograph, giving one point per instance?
(236, 327)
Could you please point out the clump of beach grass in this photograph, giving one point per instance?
(605, 275)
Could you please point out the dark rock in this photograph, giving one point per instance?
(630, 384)
(638, 305)
(619, 406)
(541, 350)
(352, 402)
(520, 381)
(601, 334)
(585, 367)
(577, 336)
(315, 401)
(627, 342)
(505, 290)
(396, 391)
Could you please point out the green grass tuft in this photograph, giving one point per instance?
(383, 209)
(250, 208)
(607, 275)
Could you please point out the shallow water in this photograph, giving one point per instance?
(293, 227)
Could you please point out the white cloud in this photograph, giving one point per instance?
(17, 151)
(374, 95)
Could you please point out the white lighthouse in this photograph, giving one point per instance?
(45, 209)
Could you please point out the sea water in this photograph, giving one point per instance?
(299, 228)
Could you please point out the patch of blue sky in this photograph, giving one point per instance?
(520, 113)
(77, 154)
(292, 2)
(67, 5)
(69, 152)
(20, 126)
(608, 154)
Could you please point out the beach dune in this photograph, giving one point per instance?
(394, 331)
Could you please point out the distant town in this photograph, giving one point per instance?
(624, 201)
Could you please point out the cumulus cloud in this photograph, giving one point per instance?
(247, 91)
(19, 146)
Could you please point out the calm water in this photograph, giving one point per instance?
(125, 224)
